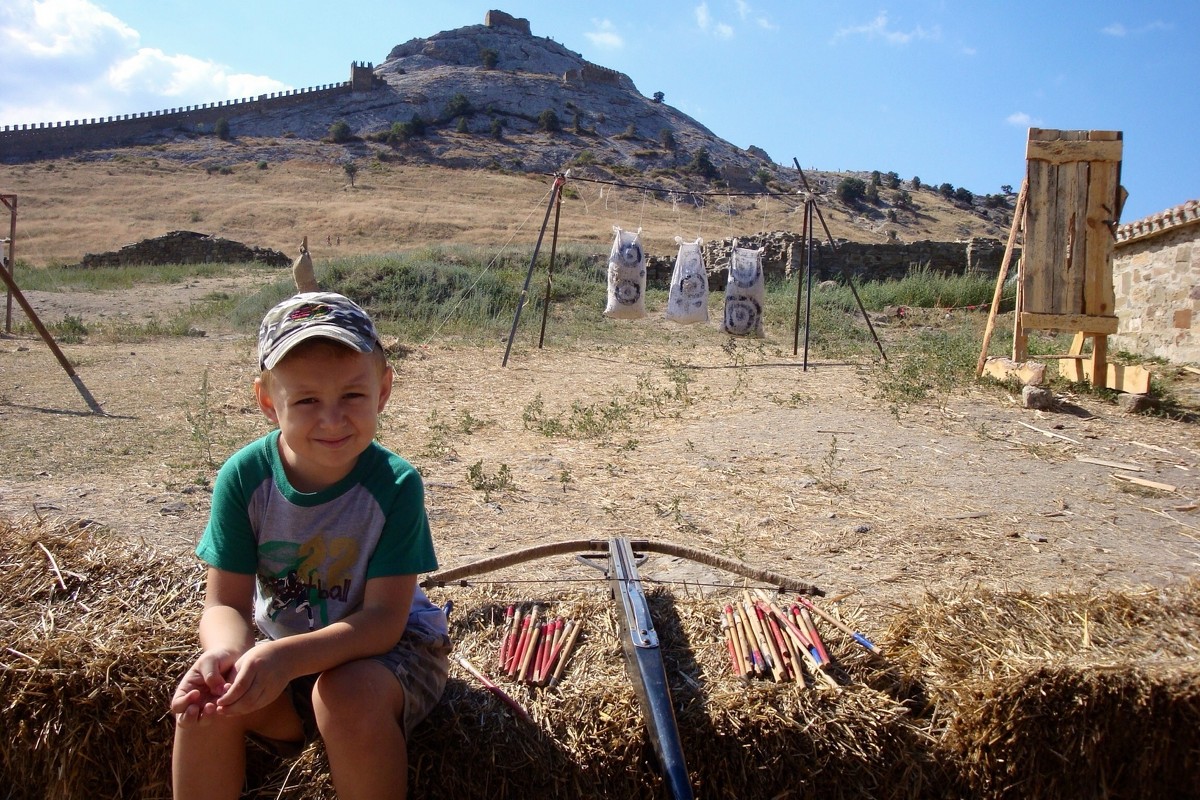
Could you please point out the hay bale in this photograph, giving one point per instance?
(984, 694)
(96, 629)
(1064, 695)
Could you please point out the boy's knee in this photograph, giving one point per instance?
(356, 692)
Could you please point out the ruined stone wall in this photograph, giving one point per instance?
(499, 19)
(783, 257)
(185, 247)
(1156, 279)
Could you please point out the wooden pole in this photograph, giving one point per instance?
(800, 283)
(845, 272)
(558, 182)
(10, 202)
(550, 271)
(1018, 215)
(49, 340)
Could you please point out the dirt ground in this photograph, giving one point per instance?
(738, 452)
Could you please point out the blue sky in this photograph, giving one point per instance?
(937, 89)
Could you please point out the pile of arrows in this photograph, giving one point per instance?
(767, 640)
(535, 650)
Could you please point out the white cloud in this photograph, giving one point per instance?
(63, 60)
(1019, 119)
(704, 21)
(605, 35)
(1119, 29)
(879, 28)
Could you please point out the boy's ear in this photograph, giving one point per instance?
(265, 404)
(385, 387)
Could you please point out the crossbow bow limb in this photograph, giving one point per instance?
(639, 639)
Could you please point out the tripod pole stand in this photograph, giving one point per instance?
(833, 247)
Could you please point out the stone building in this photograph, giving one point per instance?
(1156, 278)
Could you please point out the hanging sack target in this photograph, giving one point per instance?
(745, 293)
(626, 276)
(687, 299)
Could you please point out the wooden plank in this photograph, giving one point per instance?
(1113, 464)
(1051, 434)
(1073, 370)
(1098, 295)
(1068, 322)
(1065, 151)
(1037, 255)
(1128, 378)
(1096, 368)
(1165, 487)
(1068, 278)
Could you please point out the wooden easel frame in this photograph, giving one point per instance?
(1068, 209)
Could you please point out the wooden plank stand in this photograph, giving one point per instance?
(1072, 198)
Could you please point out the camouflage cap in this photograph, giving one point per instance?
(309, 315)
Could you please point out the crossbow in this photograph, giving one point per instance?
(618, 558)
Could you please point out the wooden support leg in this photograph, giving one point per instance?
(1099, 361)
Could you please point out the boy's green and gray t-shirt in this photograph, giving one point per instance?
(313, 553)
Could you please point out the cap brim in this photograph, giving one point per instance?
(334, 332)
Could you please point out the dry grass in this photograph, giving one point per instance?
(69, 207)
(985, 694)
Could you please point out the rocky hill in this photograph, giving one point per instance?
(491, 97)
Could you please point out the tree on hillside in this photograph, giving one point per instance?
(963, 195)
(851, 190)
(548, 121)
(666, 138)
(916, 183)
(701, 164)
(658, 97)
(340, 132)
(489, 58)
(351, 169)
(222, 129)
(946, 190)
(457, 106)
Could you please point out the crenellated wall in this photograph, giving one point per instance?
(53, 139)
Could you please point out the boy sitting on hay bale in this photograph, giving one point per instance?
(316, 537)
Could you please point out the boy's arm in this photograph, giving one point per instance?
(264, 670)
(225, 633)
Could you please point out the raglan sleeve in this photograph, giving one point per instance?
(406, 544)
(229, 542)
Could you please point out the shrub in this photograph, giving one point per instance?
(462, 126)
(851, 190)
(701, 164)
(658, 97)
(666, 138)
(222, 129)
(457, 106)
(916, 183)
(489, 58)
(339, 132)
(497, 128)
(548, 121)
(946, 190)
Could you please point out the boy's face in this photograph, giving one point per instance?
(326, 400)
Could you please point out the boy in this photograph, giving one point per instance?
(316, 536)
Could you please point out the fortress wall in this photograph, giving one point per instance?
(49, 140)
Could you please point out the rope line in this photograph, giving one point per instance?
(656, 188)
(468, 290)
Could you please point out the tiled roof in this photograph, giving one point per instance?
(1161, 222)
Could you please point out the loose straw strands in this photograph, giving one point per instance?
(979, 694)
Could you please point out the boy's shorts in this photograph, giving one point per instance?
(420, 661)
